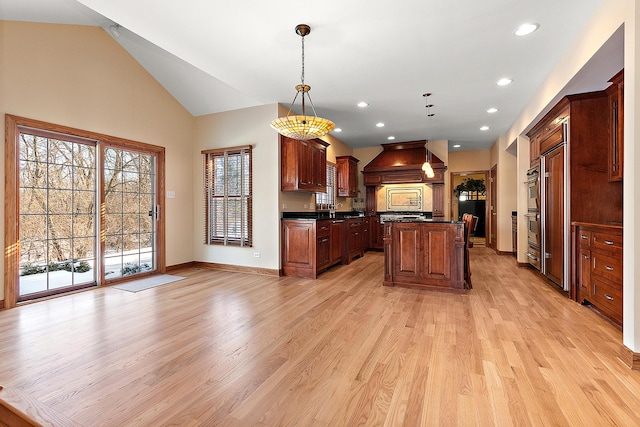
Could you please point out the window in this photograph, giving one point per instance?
(227, 196)
(328, 199)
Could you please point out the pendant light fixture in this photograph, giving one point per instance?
(302, 126)
(426, 166)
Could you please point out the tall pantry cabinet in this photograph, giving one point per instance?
(573, 142)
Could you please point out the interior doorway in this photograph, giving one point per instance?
(469, 195)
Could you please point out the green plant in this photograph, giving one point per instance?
(130, 268)
(470, 185)
(29, 268)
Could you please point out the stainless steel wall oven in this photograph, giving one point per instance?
(533, 217)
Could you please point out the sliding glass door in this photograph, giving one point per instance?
(130, 212)
(57, 216)
(81, 209)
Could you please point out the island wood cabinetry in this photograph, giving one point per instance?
(303, 165)
(347, 172)
(597, 253)
(424, 255)
(310, 246)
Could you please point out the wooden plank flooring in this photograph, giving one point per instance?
(232, 349)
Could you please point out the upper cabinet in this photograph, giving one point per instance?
(534, 150)
(347, 176)
(303, 165)
(616, 136)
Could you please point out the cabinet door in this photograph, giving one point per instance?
(305, 166)
(365, 233)
(335, 254)
(616, 138)
(534, 150)
(323, 251)
(554, 216)
(436, 253)
(347, 176)
(407, 253)
(318, 164)
(583, 272)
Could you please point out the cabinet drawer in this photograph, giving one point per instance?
(584, 237)
(552, 138)
(607, 266)
(606, 241)
(607, 297)
(354, 224)
(323, 228)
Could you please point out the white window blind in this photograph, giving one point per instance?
(227, 196)
(328, 199)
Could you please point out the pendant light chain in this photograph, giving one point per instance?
(302, 75)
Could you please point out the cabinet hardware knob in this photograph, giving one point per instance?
(609, 297)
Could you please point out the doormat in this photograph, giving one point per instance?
(148, 283)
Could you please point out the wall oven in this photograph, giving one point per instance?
(533, 217)
(533, 189)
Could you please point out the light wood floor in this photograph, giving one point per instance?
(234, 349)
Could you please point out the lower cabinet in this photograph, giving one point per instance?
(310, 246)
(597, 268)
(353, 236)
(376, 233)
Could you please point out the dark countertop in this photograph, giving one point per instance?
(320, 215)
(310, 215)
(427, 220)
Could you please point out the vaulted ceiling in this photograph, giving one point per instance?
(214, 56)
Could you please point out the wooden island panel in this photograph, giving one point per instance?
(424, 254)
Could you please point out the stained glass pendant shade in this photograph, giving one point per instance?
(302, 126)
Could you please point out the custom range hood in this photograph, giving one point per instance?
(401, 163)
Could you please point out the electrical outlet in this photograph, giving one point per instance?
(256, 254)
(284, 206)
(306, 205)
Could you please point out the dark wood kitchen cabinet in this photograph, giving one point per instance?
(597, 253)
(574, 174)
(376, 233)
(353, 247)
(303, 165)
(335, 253)
(616, 129)
(366, 229)
(347, 176)
(308, 247)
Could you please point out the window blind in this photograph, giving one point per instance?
(328, 199)
(227, 196)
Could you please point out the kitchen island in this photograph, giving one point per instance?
(424, 254)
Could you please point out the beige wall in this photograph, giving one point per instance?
(80, 77)
(229, 129)
(469, 161)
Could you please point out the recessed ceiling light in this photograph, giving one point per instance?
(362, 104)
(484, 128)
(456, 145)
(337, 130)
(526, 29)
(391, 138)
(492, 110)
(380, 124)
(503, 82)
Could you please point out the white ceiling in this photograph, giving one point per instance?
(213, 56)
